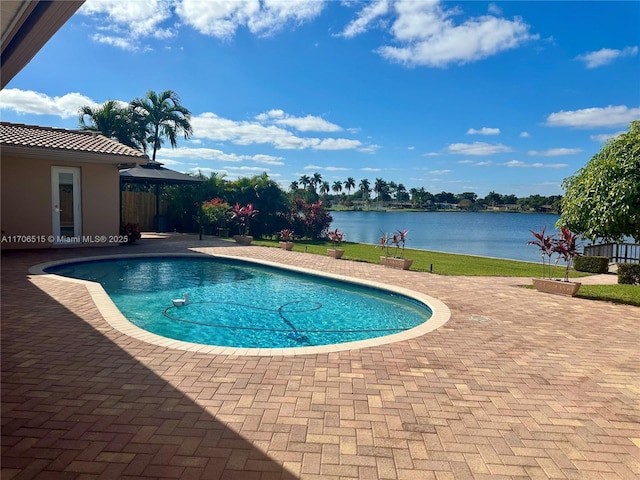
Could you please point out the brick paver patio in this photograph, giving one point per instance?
(545, 387)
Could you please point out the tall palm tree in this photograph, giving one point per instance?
(365, 188)
(337, 186)
(349, 184)
(305, 181)
(113, 121)
(324, 187)
(293, 186)
(163, 116)
(316, 180)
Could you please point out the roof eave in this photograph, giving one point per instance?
(43, 153)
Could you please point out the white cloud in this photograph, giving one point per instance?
(367, 15)
(520, 164)
(30, 102)
(221, 18)
(426, 35)
(328, 169)
(525, 134)
(308, 123)
(439, 172)
(167, 155)
(473, 163)
(603, 137)
(611, 116)
(554, 152)
(209, 125)
(605, 56)
(371, 169)
(127, 22)
(494, 9)
(477, 148)
(337, 144)
(484, 131)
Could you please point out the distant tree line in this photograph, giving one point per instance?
(389, 194)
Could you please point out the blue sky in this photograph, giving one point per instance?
(450, 96)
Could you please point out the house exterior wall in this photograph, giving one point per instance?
(26, 202)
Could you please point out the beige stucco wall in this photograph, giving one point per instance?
(26, 206)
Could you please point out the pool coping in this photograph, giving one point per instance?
(110, 312)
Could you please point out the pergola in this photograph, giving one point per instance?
(153, 173)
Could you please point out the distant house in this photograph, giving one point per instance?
(60, 186)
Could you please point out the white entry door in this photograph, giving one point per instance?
(65, 183)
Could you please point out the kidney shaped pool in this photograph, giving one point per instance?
(233, 303)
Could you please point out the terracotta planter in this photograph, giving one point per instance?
(243, 239)
(401, 263)
(335, 252)
(286, 245)
(556, 286)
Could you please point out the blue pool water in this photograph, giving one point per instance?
(236, 304)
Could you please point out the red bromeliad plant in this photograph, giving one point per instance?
(335, 237)
(286, 235)
(565, 246)
(545, 244)
(242, 216)
(399, 239)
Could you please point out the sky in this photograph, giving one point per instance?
(511, 97)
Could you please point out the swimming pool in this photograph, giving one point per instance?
(242, 305)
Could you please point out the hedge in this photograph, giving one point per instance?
(629, 273)
(589, 264)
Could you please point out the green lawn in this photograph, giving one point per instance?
(452, 264)
(628, 294)
(427, 261)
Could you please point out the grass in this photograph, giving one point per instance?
(427, 261)
(453, 264)
(627, 294)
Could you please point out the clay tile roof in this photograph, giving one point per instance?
(59, 139)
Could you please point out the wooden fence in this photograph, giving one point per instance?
(617, 252)
(140, 208)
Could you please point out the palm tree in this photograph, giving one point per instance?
(316, 180)
(337, 186)
(305, 181)
(294, 186)
(324, 187)
(365, 188)
(114, 122)
(163, 116)
(349, 184)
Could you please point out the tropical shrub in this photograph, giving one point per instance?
(591, 264)
(216, 212)
(629, 273)
(309, 220)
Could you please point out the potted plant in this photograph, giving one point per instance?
(216, 212)
(565, 247)
(131, 231)
(397, 260)
(242, 216)
(336, 238)
(286, 239)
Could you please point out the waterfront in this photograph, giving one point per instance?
(488, 234)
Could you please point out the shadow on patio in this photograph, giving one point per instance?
(76, 404)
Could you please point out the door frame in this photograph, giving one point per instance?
(55, 203)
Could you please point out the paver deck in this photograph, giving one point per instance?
(544, 387)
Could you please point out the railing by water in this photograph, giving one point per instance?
(617, 252)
